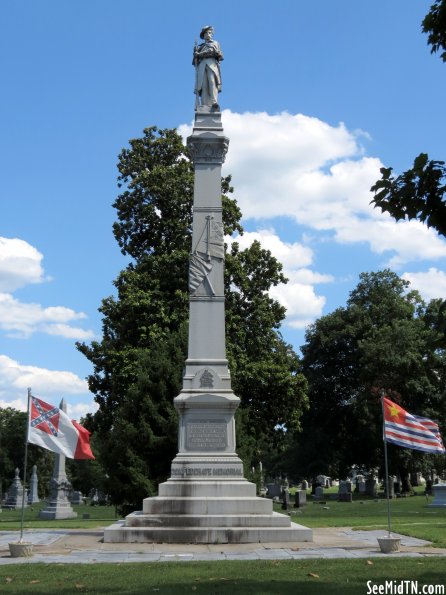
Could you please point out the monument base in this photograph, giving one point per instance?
(206, 511)
(57, 510)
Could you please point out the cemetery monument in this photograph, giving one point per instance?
(207, 499)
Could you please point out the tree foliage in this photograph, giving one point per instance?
(137, 366)
(12, 452)
(418, 193)
(385, 338)
(434, 24)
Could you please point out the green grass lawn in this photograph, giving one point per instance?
(263, 577)
(409, 516)
(100, 516)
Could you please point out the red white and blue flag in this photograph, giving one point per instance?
(51, 428)
(410, 431)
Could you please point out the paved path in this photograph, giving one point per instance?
(86, 547)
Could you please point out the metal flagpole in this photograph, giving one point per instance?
(24, 466)
(386, 466)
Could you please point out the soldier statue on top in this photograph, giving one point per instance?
(207, 58)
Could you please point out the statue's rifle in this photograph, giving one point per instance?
(196, 75)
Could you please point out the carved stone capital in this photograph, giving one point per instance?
(208, 149)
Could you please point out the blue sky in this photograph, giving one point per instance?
(316, 97)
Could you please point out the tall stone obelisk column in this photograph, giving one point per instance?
(207, 499)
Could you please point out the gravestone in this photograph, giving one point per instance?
(33, 496)
(15, 493)
(76, 498)
(345, 487)
(58, 505)
(391, 484)
(319, 493)
(439, 491)
(273, 490)
(285, 499)
(206, 499)
(371, 486)
(304, 485)
(345, 497)
(362, 486)
(300, 498)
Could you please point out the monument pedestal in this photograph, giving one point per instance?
(207, 499)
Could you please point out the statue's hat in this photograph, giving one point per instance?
(206, 28)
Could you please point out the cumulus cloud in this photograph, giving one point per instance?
(20, 264)
(291, 255)
(298, 296)
(20, 319)
(299, 167)
(15, 378)
(431, 284)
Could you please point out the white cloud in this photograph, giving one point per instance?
(20, 264)
(431, 284)
(299, 167)
(20, 319)
(302, 304)
(291, 255)
(79, 410)
(16, 378)
(298, 296)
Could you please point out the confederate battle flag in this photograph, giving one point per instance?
(51, 428)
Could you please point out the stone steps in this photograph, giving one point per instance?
(138, 519)
(118, 533)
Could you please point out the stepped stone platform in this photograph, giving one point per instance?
(189, 511)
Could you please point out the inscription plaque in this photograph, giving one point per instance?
(206, 435)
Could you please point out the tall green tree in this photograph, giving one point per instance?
(137, 366)
(385, 338)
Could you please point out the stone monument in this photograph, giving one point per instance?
(58, 505)
(207, 499)
(33, 496)
(15, 493)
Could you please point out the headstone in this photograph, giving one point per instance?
(362, 486)
(76, 498)
(439, 500)
(391, 484)
(319, 493)
(273, 490)
(58, 505)
(397, 487)
(429, 487)
(206, 499)
(345, 497)
(371, 486)
(304, 485)
(345, 487)
(33, 496)
(300, 498)
(285, 499)
(15, 493)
